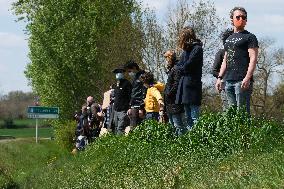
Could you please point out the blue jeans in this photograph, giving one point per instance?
(152, 115)
(176, 121)
(192, 114)
(237, 96)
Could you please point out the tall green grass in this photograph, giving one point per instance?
(230, 150)
(20, 159)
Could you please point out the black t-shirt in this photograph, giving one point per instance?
(237, 46)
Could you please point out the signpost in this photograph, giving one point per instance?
(42, 112)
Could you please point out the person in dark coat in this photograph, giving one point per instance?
(217, 65)
(138, 93)
(122, 94)
(174, 111)
(189, 91)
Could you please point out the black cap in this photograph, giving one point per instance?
(131, 64)
(118, 70)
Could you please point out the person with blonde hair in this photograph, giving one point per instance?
(174, 111)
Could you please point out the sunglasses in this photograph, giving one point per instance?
(239, 17)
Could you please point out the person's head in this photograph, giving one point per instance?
(90, 100)
(84, 109)
(226, 34)
(170, 57)
(186, 38)
(131, 68)
(238, 17)
(148, 79)
(119, 73)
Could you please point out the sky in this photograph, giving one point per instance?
(265, 19)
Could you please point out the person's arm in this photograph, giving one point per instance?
(253, 53)
(176, 78)
(218, 62)
(221, 74)
(158, 96)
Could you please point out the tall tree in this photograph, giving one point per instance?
(74, 45)
(202, 16)
(270, 66)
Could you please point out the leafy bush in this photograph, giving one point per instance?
(220, 134)
(64, 133)
(153, 131)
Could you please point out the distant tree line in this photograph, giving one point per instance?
(14, 104)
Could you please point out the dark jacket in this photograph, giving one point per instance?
(170, 92)
(218, 62)
(138, 93)
(122, 93)
(190, 85)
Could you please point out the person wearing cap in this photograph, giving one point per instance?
(138, 93)
(122, 95)
(174, 111)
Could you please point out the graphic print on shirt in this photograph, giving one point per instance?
(231, 45)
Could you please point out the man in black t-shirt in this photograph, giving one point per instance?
(241, 51)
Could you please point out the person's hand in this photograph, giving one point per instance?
(128, 112)
(141, 113)
(219, 85)
(100, 114)
(161, 103)
(245, 83)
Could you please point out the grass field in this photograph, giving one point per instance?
(23, 123)
(28, 132)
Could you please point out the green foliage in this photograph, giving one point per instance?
(225, 150)
(64, 133)
(19, 159)
(151, 131)
(69, 42)
(220, 134)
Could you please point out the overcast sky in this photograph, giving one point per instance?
(265, 18)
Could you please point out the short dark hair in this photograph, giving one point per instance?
(237, 8)
(226, 34)
(148, 78)
(131, 64)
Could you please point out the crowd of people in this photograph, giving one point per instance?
(127, 103)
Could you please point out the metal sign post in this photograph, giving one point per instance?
(36, 130)
(41, 112)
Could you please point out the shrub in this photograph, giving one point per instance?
(219, 134)
(64, 133)
(151, 131)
